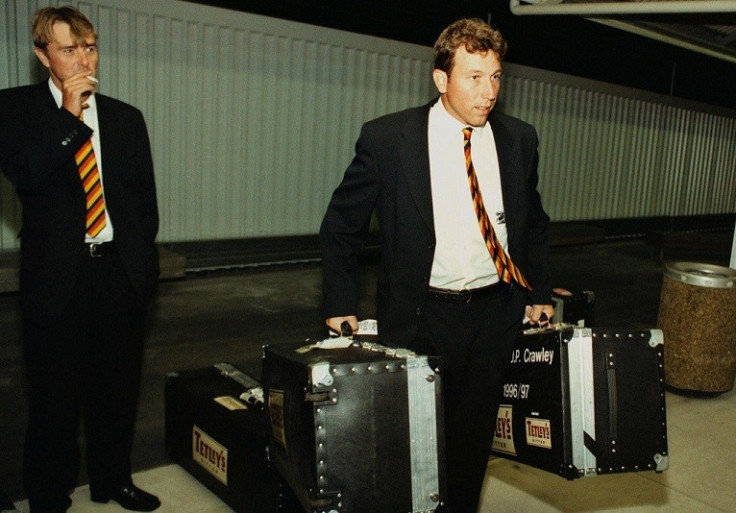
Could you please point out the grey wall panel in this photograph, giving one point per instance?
(610, 152)
(253, 120)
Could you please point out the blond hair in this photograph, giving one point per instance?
(45, 19)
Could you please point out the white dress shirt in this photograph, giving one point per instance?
(461, 258)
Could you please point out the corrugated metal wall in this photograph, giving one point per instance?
(253, 120)
(609, 152)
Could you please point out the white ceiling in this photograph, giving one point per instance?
(706, 26)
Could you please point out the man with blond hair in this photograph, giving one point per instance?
(81, 165)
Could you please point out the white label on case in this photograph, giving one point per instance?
(538, 433)
(276, 411)
(209, 454)
(503, 437)
(230, 403)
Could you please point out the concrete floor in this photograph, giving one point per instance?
(214, 317)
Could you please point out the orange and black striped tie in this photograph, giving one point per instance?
(505, 267)
(90, 175)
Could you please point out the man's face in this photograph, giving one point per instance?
(470, 91)
(64, 57)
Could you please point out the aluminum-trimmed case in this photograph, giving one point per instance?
(585, 401)
(575, 308)
(357, 428)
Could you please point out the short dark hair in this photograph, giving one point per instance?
(474, 34)
(45, 19)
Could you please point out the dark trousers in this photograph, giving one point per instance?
(474, 342)
(85, 366)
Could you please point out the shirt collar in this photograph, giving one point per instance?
(56, 93)
(451, 126)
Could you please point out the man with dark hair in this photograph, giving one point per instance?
(464, 239)
(81, 165)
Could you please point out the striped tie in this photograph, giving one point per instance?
(505, 267)
(90, 175)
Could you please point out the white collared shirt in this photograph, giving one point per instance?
(461, 258)
(90, 119)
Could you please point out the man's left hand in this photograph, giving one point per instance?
(534, 313)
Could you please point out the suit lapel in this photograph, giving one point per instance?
(509, 168)
(45, 98)
(106, 124)
(413, 151)
(111, 146)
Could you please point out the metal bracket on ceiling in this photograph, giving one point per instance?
(526, 7)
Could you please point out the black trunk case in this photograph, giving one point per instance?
(221, 440)
(356, 430)
(581, 402)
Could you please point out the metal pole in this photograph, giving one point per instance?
(733, 251)
(646, 7)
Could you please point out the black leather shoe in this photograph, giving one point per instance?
(6, 505)
(129, 497)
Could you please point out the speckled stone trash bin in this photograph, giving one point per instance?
(697, 315)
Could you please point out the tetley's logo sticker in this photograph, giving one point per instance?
(538, 433)
(503, 437)
(209, 454)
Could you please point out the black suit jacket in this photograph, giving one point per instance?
(390, 173)
(38, 141)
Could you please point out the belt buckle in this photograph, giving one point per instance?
(93, 250)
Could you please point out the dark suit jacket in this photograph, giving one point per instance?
(390, 172)
(38, 141)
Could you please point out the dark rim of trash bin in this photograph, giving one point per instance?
(703, 275)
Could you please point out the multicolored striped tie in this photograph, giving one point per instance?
(90, 175)
(505, 267)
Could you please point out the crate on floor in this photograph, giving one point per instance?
(216, 430)
(584, 401)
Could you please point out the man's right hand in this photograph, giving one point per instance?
(75, 90)
(334, 323)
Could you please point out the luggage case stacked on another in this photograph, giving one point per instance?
(216, 430)
(581, 402)
(356, 427)
(575, 308)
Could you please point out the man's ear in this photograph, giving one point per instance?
(41, 54)
(440, 80)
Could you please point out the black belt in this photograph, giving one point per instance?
(462, 296)
(97, 250)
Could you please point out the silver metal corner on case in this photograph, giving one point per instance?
(321, 374)
(657, 338)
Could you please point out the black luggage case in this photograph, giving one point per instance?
(581, 402)
(575, 308)
(216, 430)
(356, 429)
